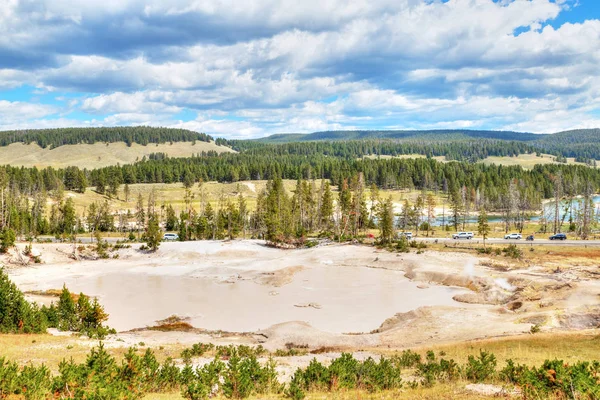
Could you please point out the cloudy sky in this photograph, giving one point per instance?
(248, 68)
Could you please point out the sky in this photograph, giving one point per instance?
(245, 69)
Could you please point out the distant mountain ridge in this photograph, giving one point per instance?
(582, 144)
(441, 134)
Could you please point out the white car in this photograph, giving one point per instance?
(407, 235)
(171, 236)
(514, 236)
(462, 235)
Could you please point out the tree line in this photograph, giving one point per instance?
(129, 134)
(462, 150)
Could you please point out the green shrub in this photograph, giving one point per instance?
(408, 359)
(402, 245)
(9, 377)
(17, 315)
(343, 372)
(7, 239)
(244, 376)
(433, 370)
(513, 251)
(481, 368)
(486, 250)
(555, 379)
(35, 382)
(377, 376)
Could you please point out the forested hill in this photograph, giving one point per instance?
(435, 135)
(130, 134)
(581, 143)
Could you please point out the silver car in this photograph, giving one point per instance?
(170, 236)
(513, 236)
(462, 235)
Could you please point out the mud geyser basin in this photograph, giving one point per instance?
(244, 286)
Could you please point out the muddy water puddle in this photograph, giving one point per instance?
(328, 297)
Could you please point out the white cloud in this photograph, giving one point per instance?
(11, 112)
(282, 65)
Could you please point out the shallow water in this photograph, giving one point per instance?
(352, 299)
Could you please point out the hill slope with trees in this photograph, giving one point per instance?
(99, 147)
(582, 144)
(129, 134)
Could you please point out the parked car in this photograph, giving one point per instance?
(170, 236)
(407, 235)
(530, 238)
(516, 236)
(462, 235)
(558, 236)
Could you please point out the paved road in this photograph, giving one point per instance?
(536, 242)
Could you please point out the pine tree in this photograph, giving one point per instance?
(153, 234)
(386, 221)
(7, 240)
(242, 214)
(140, 215)
(456, 209)
(483, 227)
(430, 203)
(126, 192)
(171, 221)
(67, 311)
(326, 212)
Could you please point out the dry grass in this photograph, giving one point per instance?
(528, 349)
(174, 194)
(51, 293)
(454, 391)
(97, 155)
(213, 192)
(51, 350)
(527, 161)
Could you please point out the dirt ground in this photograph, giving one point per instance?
(430, 299)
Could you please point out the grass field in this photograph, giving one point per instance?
(174, 193)
(97, 155)
(528, 349)
(527, 161)
(384, 157)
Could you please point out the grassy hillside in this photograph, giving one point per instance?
(527, 161)
(128, 134)
(97, 155)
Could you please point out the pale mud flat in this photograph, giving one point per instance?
(342, 296)
(244, 286)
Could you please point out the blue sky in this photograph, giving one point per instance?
(248, 69)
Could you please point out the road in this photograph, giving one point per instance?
(86, 239)
(536, 242)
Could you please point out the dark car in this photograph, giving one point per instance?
(558, 236)
(530, 238)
